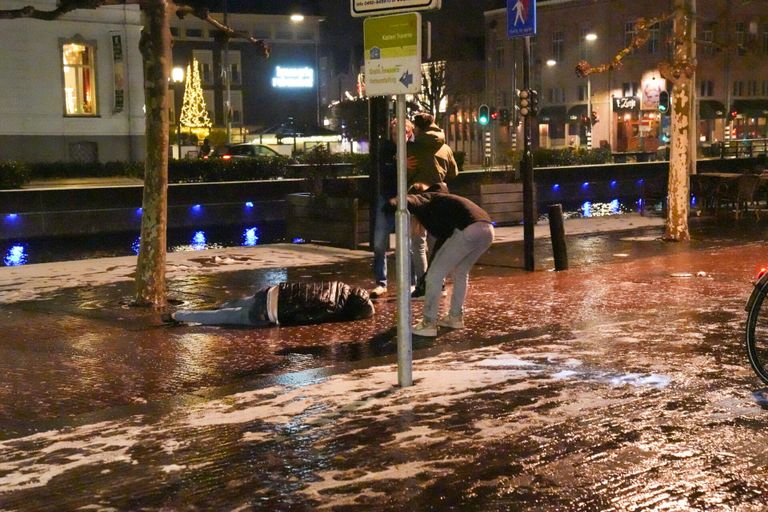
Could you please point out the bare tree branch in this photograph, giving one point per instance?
(642, 34)
(65, 6)
(205, 15)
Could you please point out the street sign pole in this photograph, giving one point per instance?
(403, 258)
(393, 67)
(526, 167)
(521, 22)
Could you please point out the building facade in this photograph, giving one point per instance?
(263, 92)
(73, 87)
(731, 81)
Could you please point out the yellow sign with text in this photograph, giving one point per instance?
(392, 54)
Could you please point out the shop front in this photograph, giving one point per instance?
(551, 126)
(749, 119)
(578, 125)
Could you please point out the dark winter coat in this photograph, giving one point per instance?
(314, 303)
(435, 161)
(388, 171)
(441, 213)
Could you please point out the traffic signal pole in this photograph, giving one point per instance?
(526, 167)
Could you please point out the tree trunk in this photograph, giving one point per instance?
(156, 50)
(681, 151)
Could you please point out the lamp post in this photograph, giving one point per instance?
(177, 76)
(226, 74)
(299, 18)
(589, 38)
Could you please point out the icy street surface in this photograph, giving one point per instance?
(620, 384)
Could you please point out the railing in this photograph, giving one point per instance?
(741, 148)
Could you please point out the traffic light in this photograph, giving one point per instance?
(494, 114)
(524, 102)
(483, 115)
(664, 102)
(534, 99)
(595, 118)
(504, 115)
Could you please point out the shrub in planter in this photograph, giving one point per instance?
(570, 156)
(43, 170)
(214, 169)
(359, 163)
(13, 174)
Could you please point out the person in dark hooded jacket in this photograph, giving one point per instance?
(430, 161)
(288, 304)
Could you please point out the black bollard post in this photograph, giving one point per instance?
(557, 232)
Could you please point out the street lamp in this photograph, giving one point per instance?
(177, 76)
(299, 18)
(590, 37)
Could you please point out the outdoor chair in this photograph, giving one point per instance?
(739, 194)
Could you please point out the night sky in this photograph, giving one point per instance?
(453, 26)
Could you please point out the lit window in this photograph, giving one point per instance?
(79, 80)
(629, 33)
(653, 38)
(558, 43)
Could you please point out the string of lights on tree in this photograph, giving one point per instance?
(194, 114)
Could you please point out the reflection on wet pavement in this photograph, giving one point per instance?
(612, 386)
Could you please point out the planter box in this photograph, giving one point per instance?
(337, 221)
(503, 201)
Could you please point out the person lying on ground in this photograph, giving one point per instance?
(287, 304)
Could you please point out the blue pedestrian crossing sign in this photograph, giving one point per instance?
(521, 18)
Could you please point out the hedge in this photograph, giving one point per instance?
(13, 174)
(16, 174)
(571, 156)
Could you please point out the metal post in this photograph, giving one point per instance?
(589, 111)
(403, 258)
(526, 167)
(227, 88)
(378, 132)
(317, 77)
(557, 234)
(178, 136)
(694, 104)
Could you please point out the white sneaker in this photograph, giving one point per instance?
(425, 328)
(454, 322)
(379, 291)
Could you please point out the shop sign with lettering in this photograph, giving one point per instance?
(626, 104)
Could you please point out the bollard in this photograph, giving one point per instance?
(557, 232)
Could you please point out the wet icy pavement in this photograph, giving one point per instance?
(617, 385)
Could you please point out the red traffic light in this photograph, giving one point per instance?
(494, 115)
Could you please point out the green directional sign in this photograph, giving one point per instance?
(392, 54)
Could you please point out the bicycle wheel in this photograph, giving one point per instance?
(757, 335)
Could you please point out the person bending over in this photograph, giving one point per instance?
(464, 232)
(287, 304)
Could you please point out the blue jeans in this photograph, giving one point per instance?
(251, 311)
(385, 225)
(456, 256)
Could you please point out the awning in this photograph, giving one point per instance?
(576, 113)
(553, 114)
(751, 108)
(711, 109)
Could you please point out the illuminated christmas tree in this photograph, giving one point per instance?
(194, 115)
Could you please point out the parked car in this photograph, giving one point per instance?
(246, 150)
